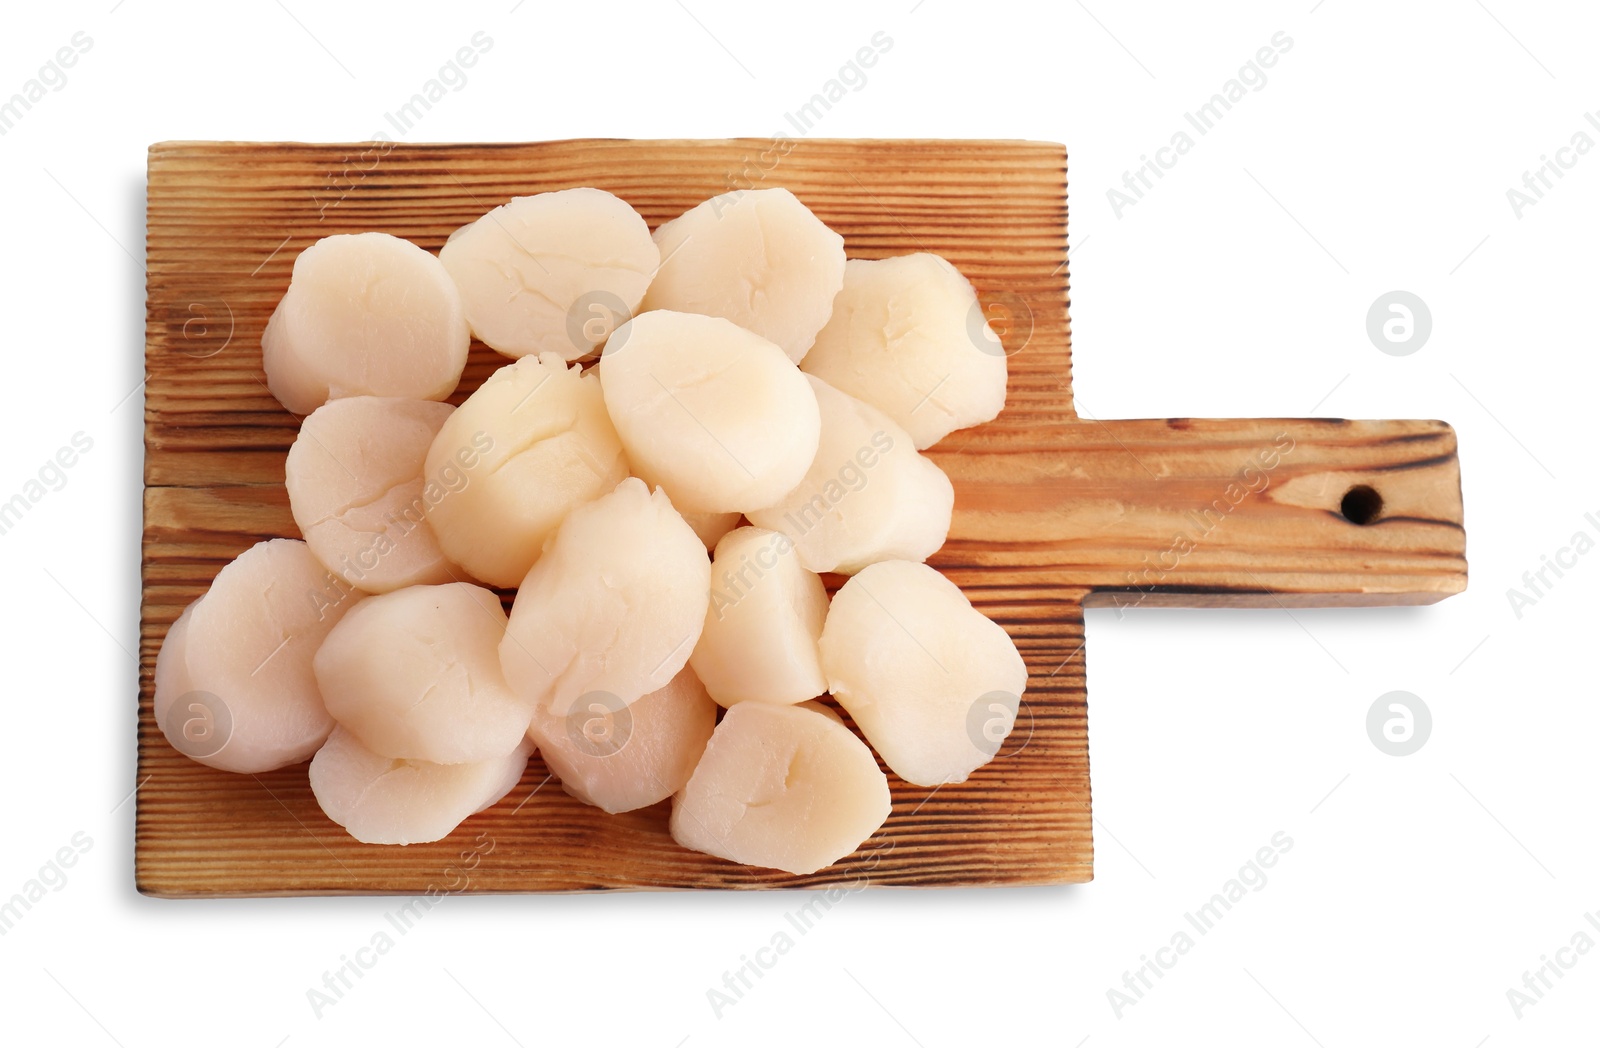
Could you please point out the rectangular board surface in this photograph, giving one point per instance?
(225, 222)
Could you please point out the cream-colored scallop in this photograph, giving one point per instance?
(711, 526)
(619, 758)
(510, 773)
(356, 489)
(415, 674)
(614, 606)
(552, 273)
(782, 787)
(931, 682)
(383, 800)
(365, 314)
(760, 639)
(530, 444)
(759, 258)
(712, 413)
(234, 683)
(908, 336)
(868, 496)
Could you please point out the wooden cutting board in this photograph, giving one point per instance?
(1052, 512)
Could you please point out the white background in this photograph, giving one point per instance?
(1377, 157)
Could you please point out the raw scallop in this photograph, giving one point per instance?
(712, 413)
(365, 313)
(415, 674)
(530, 444)
(614, 606)
(767, 610)
(868, 496)
(552, 273)
(759, 258)
(358, 493)
(234, 687)
(782, 787)
(931, 682)
(381, 800)
(908, 335)
(619, 758)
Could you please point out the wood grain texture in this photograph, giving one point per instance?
(1218, 513)
(1052, 511)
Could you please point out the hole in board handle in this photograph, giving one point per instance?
(1361, 505)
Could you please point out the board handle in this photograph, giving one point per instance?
(1220, 512)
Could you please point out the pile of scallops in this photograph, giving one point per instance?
(695, 427)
